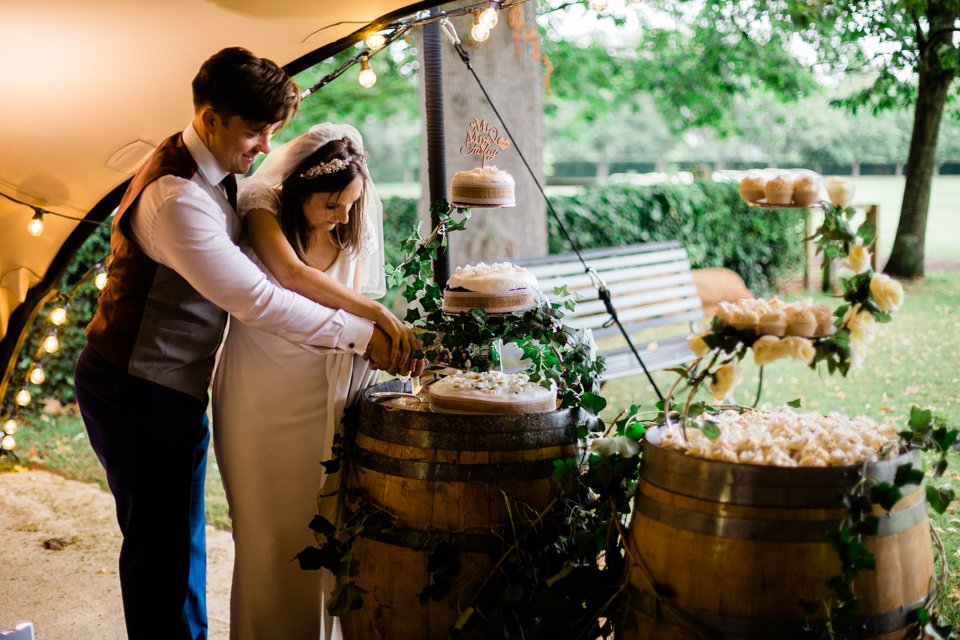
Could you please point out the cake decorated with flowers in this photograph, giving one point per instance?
(490, 392)
(496, 288)
(483, 187)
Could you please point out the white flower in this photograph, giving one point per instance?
(858, 260)
(886, 292)
(840, 191)
(769, 349)
(800, 349)
(615, 445)
(725, 380)
(586, 336)
(698, 346)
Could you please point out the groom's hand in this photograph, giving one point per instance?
(380, 354)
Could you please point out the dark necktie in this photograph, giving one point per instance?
(230, 186)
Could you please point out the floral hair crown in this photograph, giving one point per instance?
(324, 168)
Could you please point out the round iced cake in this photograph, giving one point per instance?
(490, 392)
(482, 187)
(496, 288)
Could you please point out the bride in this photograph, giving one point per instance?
(313, 222)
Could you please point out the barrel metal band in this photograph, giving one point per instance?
(871, 625)
(766, 530)
(455, 472)
(419, 540)
(751, 485)
(396, 433)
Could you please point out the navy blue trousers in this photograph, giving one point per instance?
(152, 442)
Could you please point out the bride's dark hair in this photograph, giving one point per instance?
(329, 169)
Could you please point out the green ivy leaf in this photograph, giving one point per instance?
(939, 498)
(907, 475)
(593, 402)
(795, 403)
(322, 526)
(710, 430)
(920, 419)
(345, 597)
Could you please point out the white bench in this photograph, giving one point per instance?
(652, 291)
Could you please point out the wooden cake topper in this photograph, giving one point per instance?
(483, 140)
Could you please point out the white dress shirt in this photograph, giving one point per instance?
(189, 226)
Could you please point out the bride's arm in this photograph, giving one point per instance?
(267, 240)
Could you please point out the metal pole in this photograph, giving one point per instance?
(436, 149)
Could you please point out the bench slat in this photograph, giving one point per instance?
(625, 302)
(613, 263)
(647, 276)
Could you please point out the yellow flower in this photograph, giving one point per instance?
(769, 349)
(862, 326)
(800, 349)
(859, 258)
(725, 380)
(698, 346)
(886, 292)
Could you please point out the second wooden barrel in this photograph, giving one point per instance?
(729, 550)
(445, 477)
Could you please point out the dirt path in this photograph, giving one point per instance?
(58, 569)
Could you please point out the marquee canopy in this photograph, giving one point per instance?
(89, 88)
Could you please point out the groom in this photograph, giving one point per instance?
(175, 274)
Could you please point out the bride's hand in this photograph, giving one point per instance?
(403, 342)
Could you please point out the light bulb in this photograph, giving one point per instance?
(101, 280)
(51, 344)
(35, 226)
(58, 316)
(8, 443)
(10, 427)
(367, 77)
(599, 5)
(479, 31)
(375, 40)
(37, 376)
(23, 397)
(490, 17)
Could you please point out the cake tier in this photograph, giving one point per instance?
(490, 392)
(483, 195)
(493, 303)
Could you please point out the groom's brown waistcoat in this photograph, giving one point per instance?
(151, 322)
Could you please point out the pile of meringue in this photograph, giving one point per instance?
(784, 438)
(490, 382)
(775, 317)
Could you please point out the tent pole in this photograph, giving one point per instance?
(436, 149)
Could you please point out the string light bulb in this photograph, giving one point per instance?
(35, 226)
(367, 77)
(23, 397)
(100, 281)
(490, 17)
(599, 5)
(375, 40)
(7, 443)
(51, 344)
(10, 426)
(37, 376)
(58, 316)
(479, 31)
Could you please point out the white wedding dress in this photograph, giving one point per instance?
(276, 408)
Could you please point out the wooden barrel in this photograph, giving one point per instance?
(444, 477)
(734, 548)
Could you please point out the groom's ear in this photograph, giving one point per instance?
(208, 118)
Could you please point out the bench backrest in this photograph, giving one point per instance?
(650, 286)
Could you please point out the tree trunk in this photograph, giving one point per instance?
(509, 66)
(907, 256)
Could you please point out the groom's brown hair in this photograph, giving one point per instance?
(235, 82)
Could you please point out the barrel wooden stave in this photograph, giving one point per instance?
(444, 477)
(709, 555)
